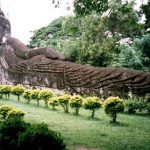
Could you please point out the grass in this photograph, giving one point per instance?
(132, 132)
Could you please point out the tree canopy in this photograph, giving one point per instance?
(102, 33)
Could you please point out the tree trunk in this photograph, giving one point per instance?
(93, 112)
(114, 116)
(46, 103)
(77, 111)
(38, 104)
(18, 98)
(66, 109)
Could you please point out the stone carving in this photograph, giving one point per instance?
(48, 68)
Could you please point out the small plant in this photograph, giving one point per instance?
(4, 110)
(92, 103)
(6, 90)
(112, 106)
(53, 102)
(64, 102)
(76, 103)
(134, 105)
(15, 113)
(45, 95)
(18, 90)
(35, 95)
(27, 95)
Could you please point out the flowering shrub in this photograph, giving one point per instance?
(27, 95)
(53, 102)
(46, 95)
(5, 90)
(35, 95)
(64, 102)
(112, 106)
(4, 110)
(15, 113)
(76, 103)
(18, 90)
(92, 103)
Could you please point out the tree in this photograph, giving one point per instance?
(112, 106)
(53, 102)
(92, 39)
(46, 95)
(87, 7)
(49, 36)
(76, 103)
(122, 20)
(27, 95)
(92, 103)
(18, 90)
(6, 90)
(64, 102)
(145, 9)
(35, 95)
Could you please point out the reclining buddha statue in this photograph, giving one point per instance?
(46, 67)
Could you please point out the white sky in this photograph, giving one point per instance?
(29, 15)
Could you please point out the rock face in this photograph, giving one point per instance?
(48, 68)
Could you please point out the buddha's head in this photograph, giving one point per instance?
(5, 27)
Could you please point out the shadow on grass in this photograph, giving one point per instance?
(119, 124)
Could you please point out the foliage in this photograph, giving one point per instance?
(45, 95)
(88, 42)
(122, 20)
(84, 7)
(53, 102)
(6, 90)
(134, 105)
(112, 106)
(38, 136)
(148, 108)
(145, 9)
(64, 102)
(49, 36)
(35, 95)
(4, 110)
(129, 57)
(19, 135)
(27, 95)
(18, 90)
(92, 39)
(9, 132)
(15, 113)
(92, 103)
(76, 103)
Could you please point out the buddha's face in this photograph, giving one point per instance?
(5, 28)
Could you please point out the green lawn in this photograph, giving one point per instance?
(132, 132)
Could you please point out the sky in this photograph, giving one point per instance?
(29, 15)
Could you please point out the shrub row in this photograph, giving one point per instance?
(112, 105)
(75, 102)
